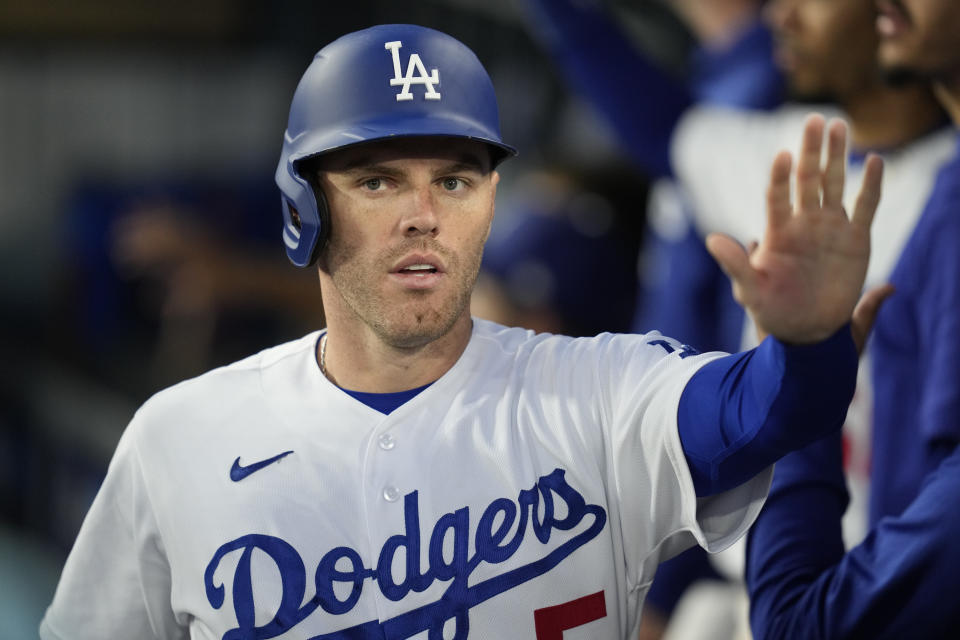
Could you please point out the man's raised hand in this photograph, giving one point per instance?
(803, 281)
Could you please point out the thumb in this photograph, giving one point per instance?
(734, 261)
(865, 313)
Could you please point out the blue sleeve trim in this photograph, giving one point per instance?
(742, 412)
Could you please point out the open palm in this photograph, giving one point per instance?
(802, 282)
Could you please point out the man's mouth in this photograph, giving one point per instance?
(892, 18)
(419, 272)
(418, 269)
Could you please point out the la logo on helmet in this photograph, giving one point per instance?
(415, 65)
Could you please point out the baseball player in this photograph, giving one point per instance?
(900, 582)
(412, 472)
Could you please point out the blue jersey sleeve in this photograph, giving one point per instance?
(899, 583)
(742, 412)
(916, 348)
(641, 102)
(938, 311)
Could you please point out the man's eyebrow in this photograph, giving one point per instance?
(467, 163)
(366, 165)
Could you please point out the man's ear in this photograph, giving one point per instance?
(494, 179)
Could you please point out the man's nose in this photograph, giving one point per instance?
(421, 214)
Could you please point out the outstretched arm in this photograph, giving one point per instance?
(801, 285)
(733, 66)
(641, 101)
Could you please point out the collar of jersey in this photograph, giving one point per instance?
(385, 403)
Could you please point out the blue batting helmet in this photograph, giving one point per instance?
(383, 82)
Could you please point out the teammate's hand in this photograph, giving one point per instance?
(803, 281)
(866, 312)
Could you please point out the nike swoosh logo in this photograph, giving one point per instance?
(238, 472)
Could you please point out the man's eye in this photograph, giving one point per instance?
(452, 184)
(373, 184)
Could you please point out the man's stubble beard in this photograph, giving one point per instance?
(411, 324)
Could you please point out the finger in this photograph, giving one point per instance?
(752, 246)
(778, 191)
(865, 313)
(834, 172)
(869, 195)
(808, 164)
(734, 262)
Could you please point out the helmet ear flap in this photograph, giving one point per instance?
(306, 214)
(295, 226)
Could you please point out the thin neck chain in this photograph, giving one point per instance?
(323, 356)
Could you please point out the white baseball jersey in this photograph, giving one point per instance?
(723, 156)
(530, 492)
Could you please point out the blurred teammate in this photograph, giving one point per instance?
(900, 581)
(827, 51)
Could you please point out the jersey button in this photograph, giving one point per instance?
(391, 493)
(386, 441)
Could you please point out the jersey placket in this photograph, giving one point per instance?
(386, 474)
